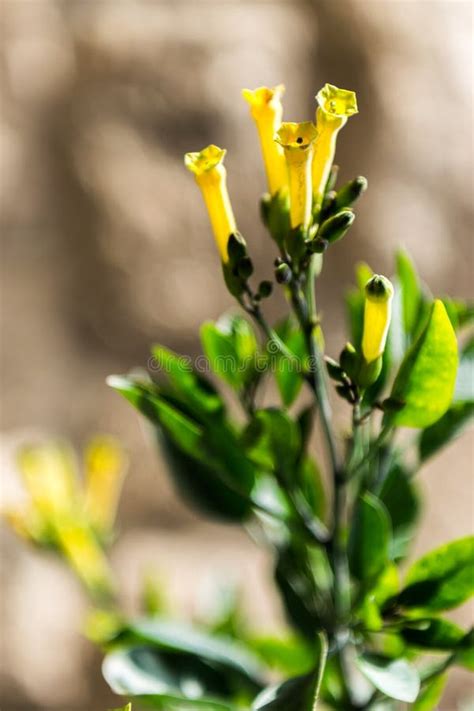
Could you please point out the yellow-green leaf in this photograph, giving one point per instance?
(426, 379)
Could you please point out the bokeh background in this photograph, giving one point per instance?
(106, 249)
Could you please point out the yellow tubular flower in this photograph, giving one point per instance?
(210, 174)
(335, 107)
(297, 142)
(377, 315)
(266, 109)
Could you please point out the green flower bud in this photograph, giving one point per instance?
(334, 370)
(350, 192)
(334, 228)
(349, 361)
(236, 248)
(245, 268)
(283, 273)
(318, 246)
(265, 289)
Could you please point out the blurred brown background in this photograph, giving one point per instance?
(106, 248)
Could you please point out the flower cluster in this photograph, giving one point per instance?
(297, 156)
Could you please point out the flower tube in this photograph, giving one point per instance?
(266, 109)
(335, 107)
(377, 315)
(297, 142)
(210, 175)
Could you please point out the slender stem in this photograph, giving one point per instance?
(323, 655)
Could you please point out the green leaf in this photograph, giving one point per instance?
(433, 634)
(465, 654)
(464, 390)
(199, 394)
(461, 313)
(169, 682)
(431, 694)
(209, 468)
(290, 655)
(442, 579)
(396, 679)
(410, 291)
(288, 371)
(369, 539)
(305, 602)
(296, 693)
(445, 430)
(402, 503)
(426, 378)
(127, 707)
(228, 655)
(231, 347)
(273, 439)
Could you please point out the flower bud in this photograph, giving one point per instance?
(350, 192)
(334, 228)
(283, 273)
(377, 314)
(265, 289)
(334, 370)
(349, 361)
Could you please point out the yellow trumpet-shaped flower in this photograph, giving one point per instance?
(377, 315)
(297, 141)
(266, 109)
(335, 107)
(210, 175)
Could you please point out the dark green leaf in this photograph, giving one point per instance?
(199, 394)
(175, 637)
(465, 655)
(294, 694)
(209, 466)
(231, 347)
(442, 579)
(396, 679)
(369, 539)
(433, 634)
(306, 604)
(402, 503)
(169, 682)
(445, 430)
(426, 378)
(273, 439)
(431, 694)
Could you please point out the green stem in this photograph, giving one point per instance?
(323, 655)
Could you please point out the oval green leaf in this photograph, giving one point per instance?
(427, 376)
(442, 579)
(396, 679)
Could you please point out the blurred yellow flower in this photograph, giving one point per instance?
(266, 109)
(335, 107)
(377, 315)
(62, 514)
(105, 466)
(210, 174)
(297, 141)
